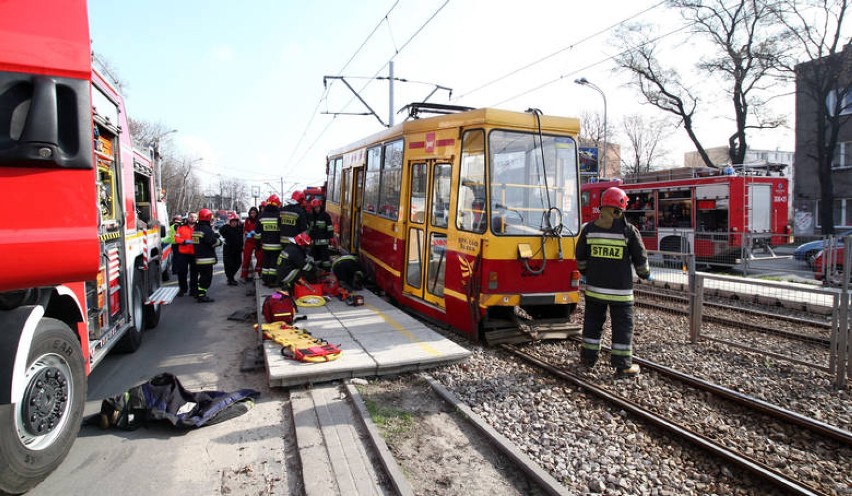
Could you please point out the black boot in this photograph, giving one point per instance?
(205, 299)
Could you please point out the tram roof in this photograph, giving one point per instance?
(490, 117)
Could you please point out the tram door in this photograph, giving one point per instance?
(425, 261)
(350, 208)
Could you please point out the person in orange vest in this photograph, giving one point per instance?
(185, 257)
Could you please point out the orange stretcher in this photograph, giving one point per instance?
(299, 345)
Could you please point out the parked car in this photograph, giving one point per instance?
(835, 270)
(807, 251)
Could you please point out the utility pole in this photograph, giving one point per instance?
(390, 94)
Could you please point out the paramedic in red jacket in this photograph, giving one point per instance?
(608, 250)
(251, 245)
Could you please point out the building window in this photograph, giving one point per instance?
(842, 156)
(845, 106)
(842, 212)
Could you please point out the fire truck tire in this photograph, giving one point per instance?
(39, 428)
(132, 339)
(152, 312)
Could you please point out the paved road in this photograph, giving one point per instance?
(246, 455)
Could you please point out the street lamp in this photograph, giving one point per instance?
(155, 143)
(585, 82)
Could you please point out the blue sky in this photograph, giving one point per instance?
(243, 81)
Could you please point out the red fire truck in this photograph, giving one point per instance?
(719, 216)
(80, 239)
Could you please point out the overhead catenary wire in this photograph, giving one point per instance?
(324, 94)
(563, 49)
(411, 38)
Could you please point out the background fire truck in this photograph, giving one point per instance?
(720, 218)
(80, 238)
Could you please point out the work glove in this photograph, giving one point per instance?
(582, 278)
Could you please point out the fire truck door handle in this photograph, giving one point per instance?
(55, 128)
(42, 124)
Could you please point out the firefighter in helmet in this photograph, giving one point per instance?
(294, 217)
(321, 231)
(206, 240)
(608, 250)
(294, 220)
(269, 236)
(293, 261)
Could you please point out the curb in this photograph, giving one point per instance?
(397, 479)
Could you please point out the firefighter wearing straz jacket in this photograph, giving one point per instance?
(608, 250)
(205, 240)
(321, 232)
(269, 236)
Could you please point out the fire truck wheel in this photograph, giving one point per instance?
(37, 431)
(132, 339)
(152, 312)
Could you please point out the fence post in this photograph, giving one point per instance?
(696, 299)
(745, 252)
(844, 353)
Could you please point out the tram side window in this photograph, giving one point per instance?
(441, 195)
(334, 180)
(372, 179)
(391, 180)
(470, 211)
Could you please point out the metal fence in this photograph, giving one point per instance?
(772, 309)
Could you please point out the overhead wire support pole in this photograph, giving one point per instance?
(372, 112)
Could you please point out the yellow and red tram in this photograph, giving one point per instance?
(468, 218)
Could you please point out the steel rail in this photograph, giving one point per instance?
(775, 411)
(755, 467)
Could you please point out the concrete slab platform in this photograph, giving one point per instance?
(376, 339)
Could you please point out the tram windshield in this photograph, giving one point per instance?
(533, 184)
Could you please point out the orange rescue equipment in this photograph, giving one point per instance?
(298, 344)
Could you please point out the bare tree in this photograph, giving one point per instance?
(661, 87)
(644, 137)
(745, 48)
(815, 29)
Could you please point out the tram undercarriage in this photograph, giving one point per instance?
(522, 324)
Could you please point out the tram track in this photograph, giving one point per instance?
(681, 307)
(715, 443)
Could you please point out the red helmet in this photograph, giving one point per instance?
(205, 214)
(298, 196)
(614, 197)
(263, 204)
(233, 216)
(302, 239)
(316, 203)
(273, 200)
